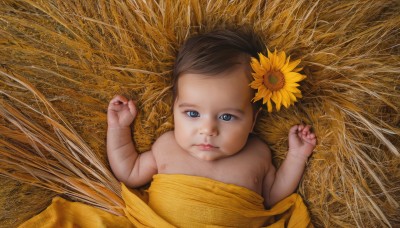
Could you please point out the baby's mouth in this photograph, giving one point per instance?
(206, 147)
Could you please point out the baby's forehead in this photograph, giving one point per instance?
(227, 86)
(237, 70)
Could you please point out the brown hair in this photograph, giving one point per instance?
(215, 52)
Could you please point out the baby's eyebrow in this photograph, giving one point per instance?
(237, 110)
(187, 105)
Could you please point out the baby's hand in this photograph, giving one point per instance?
(121, 112)
(301, 141)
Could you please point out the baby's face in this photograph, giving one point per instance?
(213, 115)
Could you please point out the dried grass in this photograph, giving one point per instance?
(61, 62)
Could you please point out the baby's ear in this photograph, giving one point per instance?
(255, 118)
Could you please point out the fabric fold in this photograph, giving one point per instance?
(191, 201)
(64, 213)
(176, 200)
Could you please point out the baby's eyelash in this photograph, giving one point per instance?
(227, 117)
(224, 117)
(192, 113)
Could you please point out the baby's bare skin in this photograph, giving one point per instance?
(171, 159)
(213, 119)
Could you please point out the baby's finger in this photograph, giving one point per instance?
(132, 107)
(294, 129)
(119, 99)
(306, 129)
(116, 102)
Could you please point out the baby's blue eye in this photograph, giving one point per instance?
(226, 117)
(193, 114)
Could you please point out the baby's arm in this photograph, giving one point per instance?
(128, 166)
(286, 179)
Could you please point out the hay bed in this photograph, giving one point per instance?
(61, 62)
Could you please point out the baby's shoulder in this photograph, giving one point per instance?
(257, 145)
(165, 141)
(256, 142)
(166, 136)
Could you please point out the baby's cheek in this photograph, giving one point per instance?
(238, 139)
(180, 133)
(179, 126)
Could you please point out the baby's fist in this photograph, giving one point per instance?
(121, 112)
(301, 141)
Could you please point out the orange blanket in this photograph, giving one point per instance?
(182, 201)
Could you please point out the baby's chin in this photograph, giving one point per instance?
(209, 156)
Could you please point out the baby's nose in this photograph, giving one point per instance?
(209, 128)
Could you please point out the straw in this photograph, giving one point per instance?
(62, 61)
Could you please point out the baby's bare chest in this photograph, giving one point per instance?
(246, 170)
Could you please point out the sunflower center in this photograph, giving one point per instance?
(274, 80)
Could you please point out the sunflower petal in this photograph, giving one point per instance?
(292, 98)
(291, 84)
(279, 99)
(298, 69)
(265, 62)
(292, 65)
(256, 84)
(292, 89)
(269, 53)
(267, 96)
(271, 57)
(286, 64)
(256, 66)
(280, 60)
(257, 97)
(285, 98)
(293, 77)
(298, 95)
(269, 105)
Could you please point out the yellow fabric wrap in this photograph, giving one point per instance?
(184, 201)
(63, 213)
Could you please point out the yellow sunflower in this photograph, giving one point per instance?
(276, 79)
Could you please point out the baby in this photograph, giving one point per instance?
(213, 121)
